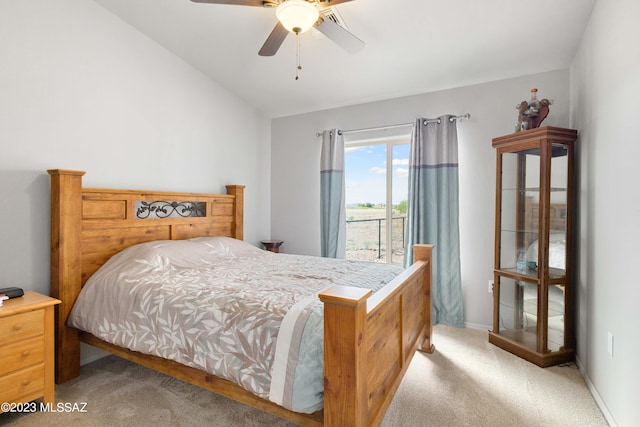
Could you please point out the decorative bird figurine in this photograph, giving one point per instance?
(525, 121)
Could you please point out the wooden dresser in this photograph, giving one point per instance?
(27, 348)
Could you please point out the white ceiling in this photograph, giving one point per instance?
(412, 47)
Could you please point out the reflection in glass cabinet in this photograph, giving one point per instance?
(532, 294)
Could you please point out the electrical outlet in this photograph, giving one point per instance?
(610, 344)
(490, 286)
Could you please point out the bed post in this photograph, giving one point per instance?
(423, 253)
(345, 381)
(238, 210)
(66, 274)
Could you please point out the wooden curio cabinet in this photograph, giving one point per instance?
(532, 300)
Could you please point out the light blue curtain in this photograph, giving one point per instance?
(432, 213)
(332, 215)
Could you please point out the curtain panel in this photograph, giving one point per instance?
(432, 213)
(332, 195)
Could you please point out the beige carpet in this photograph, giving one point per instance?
(466, 382)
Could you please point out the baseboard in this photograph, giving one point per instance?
(477, 326)
(595, 394)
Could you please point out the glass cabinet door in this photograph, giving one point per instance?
(519, 234)
(556, 256)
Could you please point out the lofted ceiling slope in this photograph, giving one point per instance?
(412, 47)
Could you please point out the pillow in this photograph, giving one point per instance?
(192, 253)
(228, 246)
(556, 251)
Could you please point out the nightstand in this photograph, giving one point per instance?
(272, 245)
(26, 348)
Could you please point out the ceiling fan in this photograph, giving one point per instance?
(298, 16)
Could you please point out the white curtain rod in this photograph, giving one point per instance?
(343, 132)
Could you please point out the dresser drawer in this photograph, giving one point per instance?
(21, 326)
(24, 385)
(21, 354)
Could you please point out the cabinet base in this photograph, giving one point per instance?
(541, 359)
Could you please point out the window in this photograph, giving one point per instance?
(376, 185)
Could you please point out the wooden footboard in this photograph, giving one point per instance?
(369, 342)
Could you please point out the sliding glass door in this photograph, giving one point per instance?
(376, 199)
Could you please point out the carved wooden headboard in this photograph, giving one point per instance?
(89, 225)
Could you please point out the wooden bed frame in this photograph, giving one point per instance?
(369, 341)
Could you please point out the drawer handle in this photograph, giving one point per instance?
(25, 382)
(17, 326)
(25, 353)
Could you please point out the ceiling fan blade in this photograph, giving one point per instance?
(329, 3)
(339, 35)
(259, 3)
(273, 42)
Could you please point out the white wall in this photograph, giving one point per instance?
(81, 89)
(605, 99)
(295, 163)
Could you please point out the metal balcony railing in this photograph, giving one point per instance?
(369, 234)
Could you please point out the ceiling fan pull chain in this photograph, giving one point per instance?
(298, 67)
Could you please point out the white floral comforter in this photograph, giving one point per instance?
(226, 307)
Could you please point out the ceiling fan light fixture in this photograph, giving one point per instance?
(297, 16)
